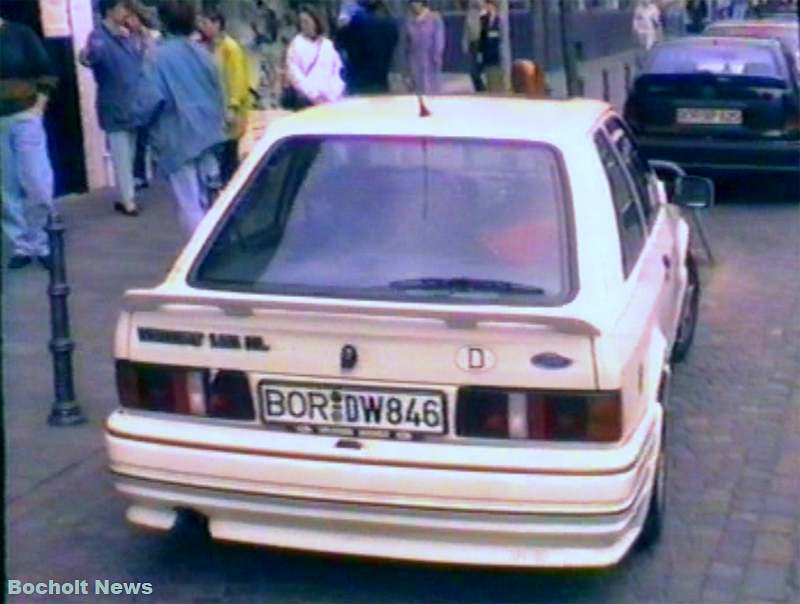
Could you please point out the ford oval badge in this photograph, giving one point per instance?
(550, 360)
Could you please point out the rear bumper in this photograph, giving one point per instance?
(405, 533)
(476, 517)
(722, 157)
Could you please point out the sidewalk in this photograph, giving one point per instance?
(107, 253)
(459, 83)
(591, 71)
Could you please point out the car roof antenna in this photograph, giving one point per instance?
(423, 109)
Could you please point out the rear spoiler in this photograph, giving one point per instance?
(454, 318)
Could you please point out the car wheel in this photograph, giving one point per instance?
(690, 310)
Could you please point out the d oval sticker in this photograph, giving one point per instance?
(474, 358)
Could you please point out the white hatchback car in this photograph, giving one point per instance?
(434, 330)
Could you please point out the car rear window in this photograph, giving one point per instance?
(398, 218)
(734, 58)
(789, 37)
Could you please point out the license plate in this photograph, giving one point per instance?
(728, 117)
(328, 407)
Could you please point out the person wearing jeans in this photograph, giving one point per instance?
(116, 59)
(183, 96)
(26, 175)
(193, 185)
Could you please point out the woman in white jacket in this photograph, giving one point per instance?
(647, 24)
(312, 64)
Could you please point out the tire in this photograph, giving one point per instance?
(690, 310)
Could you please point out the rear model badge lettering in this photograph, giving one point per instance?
(255, 343)
(473, 358)
(224, 341)
(166, 336)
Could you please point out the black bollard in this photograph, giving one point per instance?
(606, 86)
(65, 411)
(627, 78)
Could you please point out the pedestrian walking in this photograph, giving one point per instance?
(116, 61)
(424, 43)
(232, 63)
(144, 36)
(470, 42)
(490, 47)
(697, 11)
(723, 9)
(313, 66)
(739, 8)
(647, 24)
(26, 176)
(369, 40)
(675, 19)
(182, 94)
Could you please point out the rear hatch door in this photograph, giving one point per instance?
(712, 105)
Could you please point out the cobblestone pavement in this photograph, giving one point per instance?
(733, 526)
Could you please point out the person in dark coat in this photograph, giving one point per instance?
(369, 41)
(490, 47)
(698, 13)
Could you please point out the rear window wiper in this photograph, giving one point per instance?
(465, 284)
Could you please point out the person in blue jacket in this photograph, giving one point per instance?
(183, 95)
(116, 61)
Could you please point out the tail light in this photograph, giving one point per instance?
(539, 415)
(184, 390)
(229, 396)
(792, 125)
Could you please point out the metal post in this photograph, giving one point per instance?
(505, 44)
(606, 86)
(567, 54)
(627, 78)
(577, 66)
(65, 411)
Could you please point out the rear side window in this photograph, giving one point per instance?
(629, 218)
(637, 166)
(732, 58)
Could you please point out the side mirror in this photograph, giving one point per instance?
(693, 192)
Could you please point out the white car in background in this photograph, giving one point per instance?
(435, 330)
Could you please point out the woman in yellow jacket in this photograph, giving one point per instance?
(232, 62)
